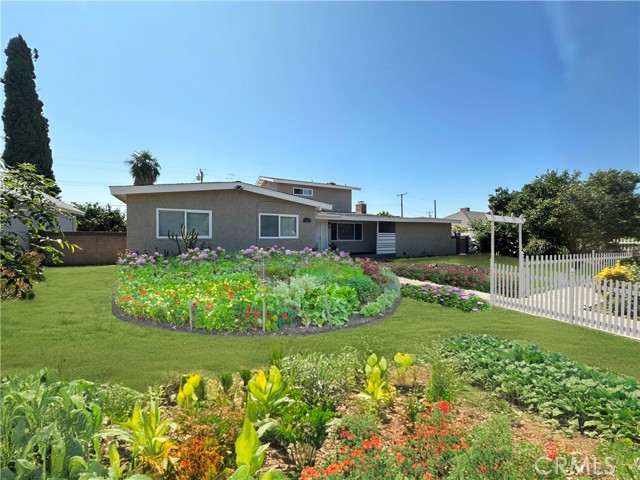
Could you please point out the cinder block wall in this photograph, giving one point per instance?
(98, 248)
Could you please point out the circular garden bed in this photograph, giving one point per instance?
(253, 291)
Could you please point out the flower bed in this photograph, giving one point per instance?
(316, 417)
(446, 296)
(471, 278)
(254, 289)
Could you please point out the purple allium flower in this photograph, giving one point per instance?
(474, 309)
(464, 297)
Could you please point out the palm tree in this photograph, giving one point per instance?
(143, 167)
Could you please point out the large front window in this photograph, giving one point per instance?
(346, 231)
(169, 220)
(278, 226)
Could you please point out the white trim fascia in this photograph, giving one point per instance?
(379, 218)
(279, 215)
(185, 210)
(121, 192)
(300, 182)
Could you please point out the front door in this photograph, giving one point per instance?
(322, 234)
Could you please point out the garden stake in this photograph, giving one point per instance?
(384, 303)
(192, 313)
(326, 306)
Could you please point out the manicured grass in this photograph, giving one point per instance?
(69, 328)
(477, 260)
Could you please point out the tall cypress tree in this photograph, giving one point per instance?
(25, 127)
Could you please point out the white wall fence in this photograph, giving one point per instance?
(564, 288)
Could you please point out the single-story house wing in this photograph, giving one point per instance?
(287, 213)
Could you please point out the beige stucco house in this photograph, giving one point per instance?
(274, 211)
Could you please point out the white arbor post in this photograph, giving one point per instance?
(519, 221)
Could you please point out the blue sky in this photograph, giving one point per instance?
(443, 100)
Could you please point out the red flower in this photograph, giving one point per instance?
(550, 451)
(444, 406)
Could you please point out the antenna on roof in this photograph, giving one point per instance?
(200, 176)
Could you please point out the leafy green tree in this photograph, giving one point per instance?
(24, 201)
(384, 213)
(565, 213)
(100, 219)
(143, 167)
(26, 128)
(611, 206)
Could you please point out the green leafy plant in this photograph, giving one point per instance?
(322, 380)
(118, 401)
(301, 430)
(45, 424)
(250, 456)
(191, 390)
(147, 433)
(574, 396)
(226, 380)
(377, 391)
(266, 394)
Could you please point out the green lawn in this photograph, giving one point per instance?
(477, 260)
(69, 328)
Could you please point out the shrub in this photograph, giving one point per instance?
(472, 278)
(118, 401)
(618, 273)
(323, 380)
(200, 457)
(539, 246)
(446, 296)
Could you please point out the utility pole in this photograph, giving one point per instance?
(200, 175)
(401, 204)
(435, 210)
(429, 213)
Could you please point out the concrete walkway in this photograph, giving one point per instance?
(484, 296)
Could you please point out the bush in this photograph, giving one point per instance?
(471, 278)
(323, 380)
(539, 246)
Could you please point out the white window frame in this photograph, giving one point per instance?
(209, 212)
(279, 215)
(304, 192)
(354, 232)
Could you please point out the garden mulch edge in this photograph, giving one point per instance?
(294, 329)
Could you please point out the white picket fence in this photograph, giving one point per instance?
(564, 288)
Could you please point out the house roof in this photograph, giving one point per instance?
(64, 206)
(359, 217)
(467, 216)
(262, 180)
(122, 192)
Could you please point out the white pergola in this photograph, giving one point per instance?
(503, 219)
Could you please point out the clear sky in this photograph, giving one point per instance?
(443, 100)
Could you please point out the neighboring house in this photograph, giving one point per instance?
(275, 211)
(466, 216)
(66, 218)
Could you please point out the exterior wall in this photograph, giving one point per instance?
(96, 248)
(366, 245)
(424, 239)
(339, 198)
(67, 224)
(234, 219)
